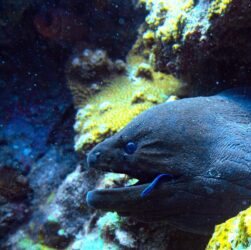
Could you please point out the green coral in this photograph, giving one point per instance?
(234, 234)
(28, 244)
(124, 97)
(50, 198)
(92, 241)
(110, 219)
(98, 238)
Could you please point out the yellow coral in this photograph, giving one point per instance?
(120, 101)
(148, 37)
(176, 47)
(144, 70)
(234, 234)
(218, 7)
(165, 18)
(173, 22)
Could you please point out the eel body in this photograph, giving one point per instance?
(201, 144)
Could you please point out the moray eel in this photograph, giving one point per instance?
(192, 158)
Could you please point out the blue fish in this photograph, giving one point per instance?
(152, 185)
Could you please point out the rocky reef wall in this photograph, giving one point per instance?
(206, 43)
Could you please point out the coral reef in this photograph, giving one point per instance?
(166, 28)
(166, 19)
(194, 39)
(69, 224)
(125, 234)
(85, 72)
(123, 98)
(48, 172)
(218, 7)
(27, 244)
(52, 235)
(172, 22)
(61, 216)
(93, 65)
(234, 234)
(68, 207)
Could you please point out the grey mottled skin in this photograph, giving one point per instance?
(204, 141)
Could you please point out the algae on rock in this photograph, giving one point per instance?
(170, 22)
(200, 41)
(234, 234)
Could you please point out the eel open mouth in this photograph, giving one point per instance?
(121, 198)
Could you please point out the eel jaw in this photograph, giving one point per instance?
(115, 199)
(124, 199)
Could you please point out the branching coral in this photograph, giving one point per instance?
(233, 234)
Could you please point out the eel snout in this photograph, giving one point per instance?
(92, 159)
(122, 199)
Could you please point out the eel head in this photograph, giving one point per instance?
(166, 140)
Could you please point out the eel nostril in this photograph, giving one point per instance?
(109, 160)
(92, 158)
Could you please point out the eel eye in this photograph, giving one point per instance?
(130, 147)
